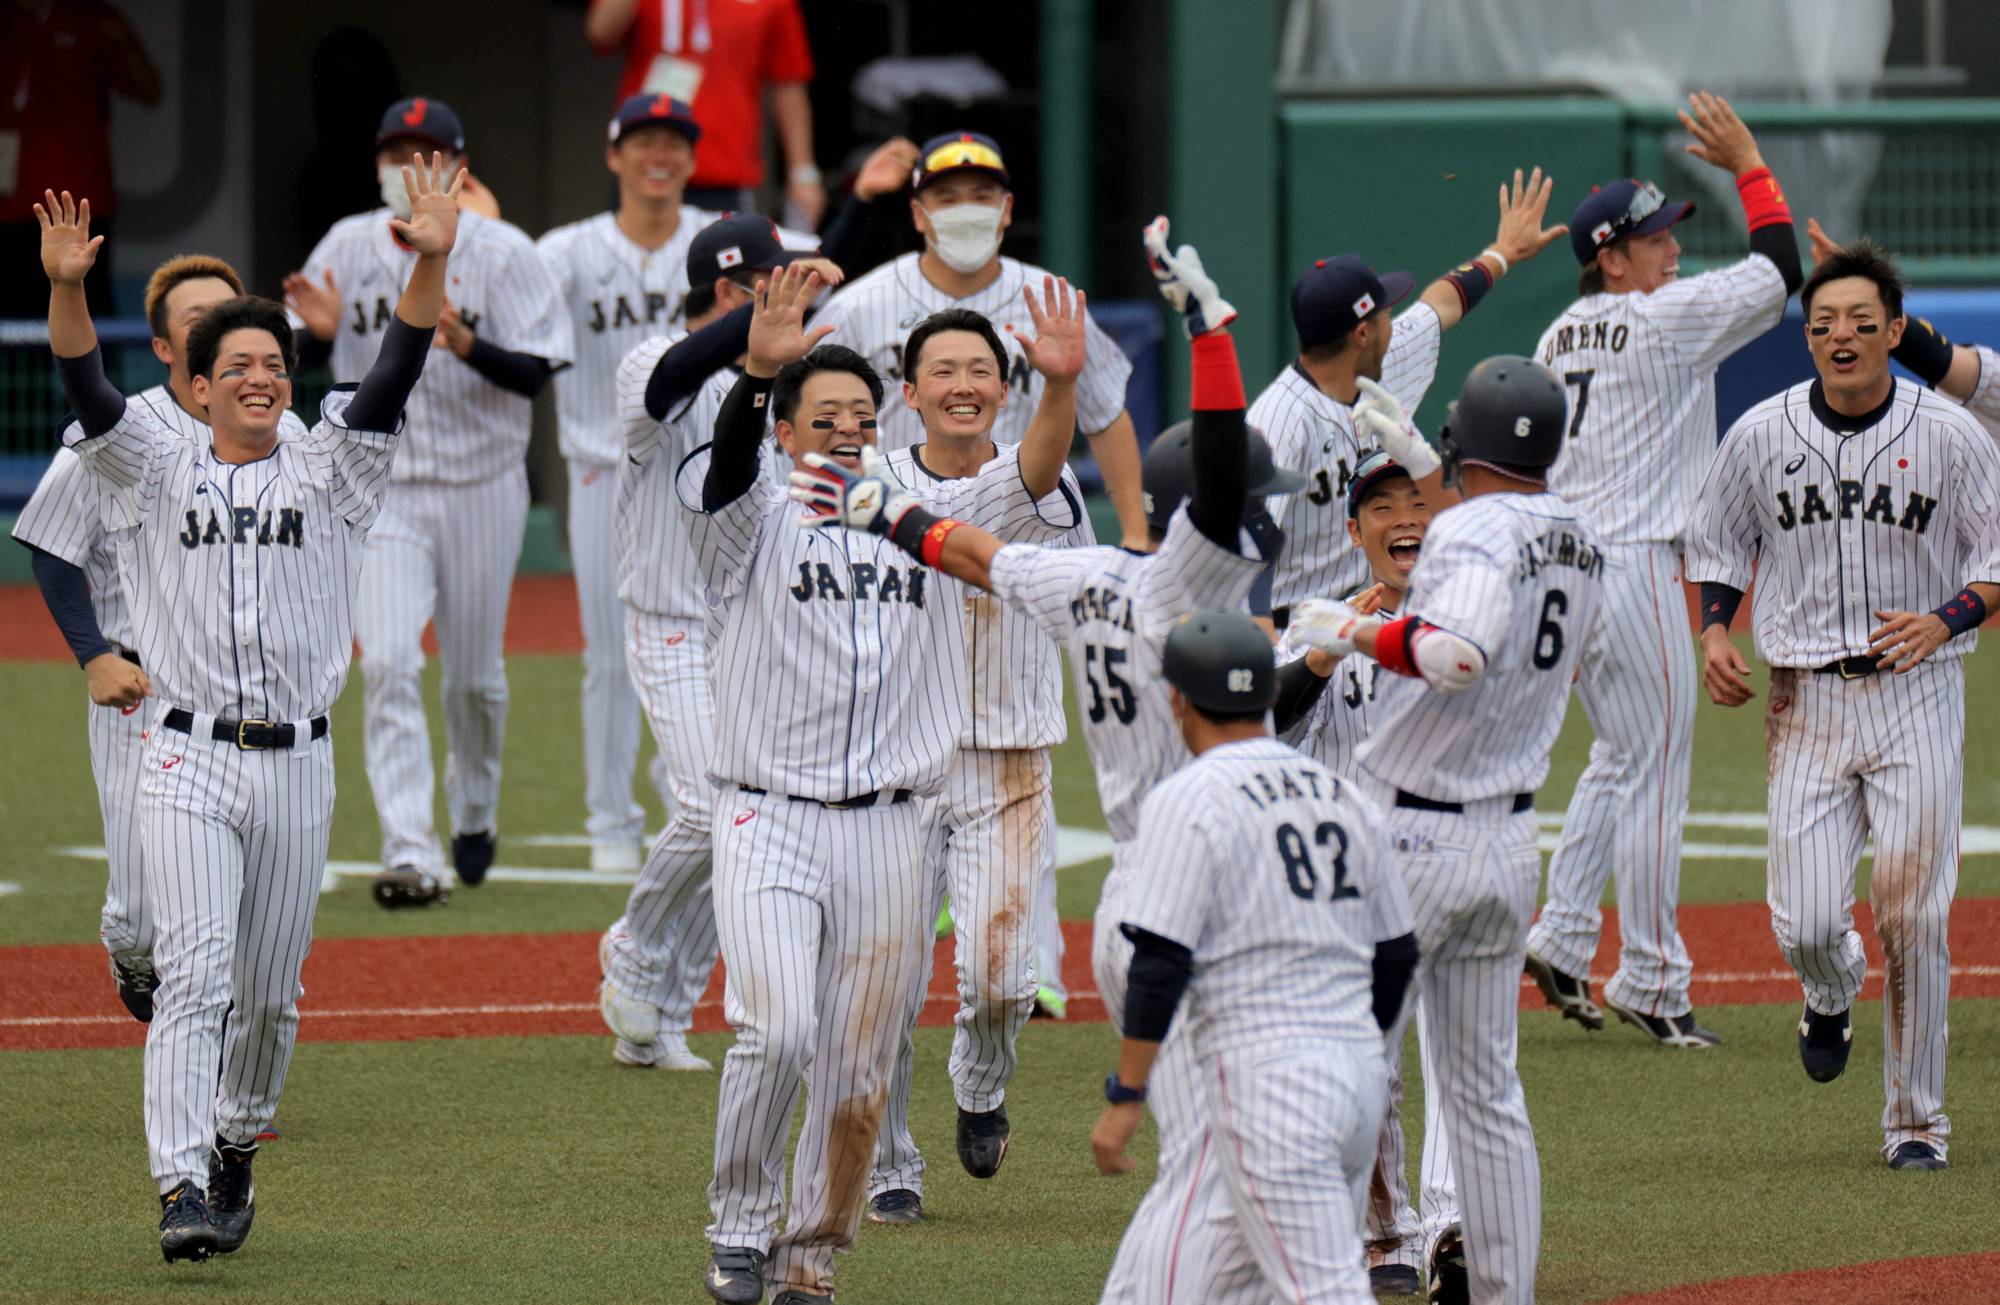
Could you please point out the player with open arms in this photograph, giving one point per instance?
(76, 568)
(1501, 605)
(242, 554)
(1274, 917)
(1870, 511)
(1638, 353)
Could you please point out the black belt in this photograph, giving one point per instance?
(1522, 802)
(1850, 668)
(1281, 617)
(861, 803)
(249, 735)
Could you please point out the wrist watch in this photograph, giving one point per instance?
(1118, 1094)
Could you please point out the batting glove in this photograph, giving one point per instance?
(1328, 625)
(1381, 416)
(1185, 284)
(832, 495)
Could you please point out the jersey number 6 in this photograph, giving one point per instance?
(1301, 873)
(1549, 634)
(1123, 705)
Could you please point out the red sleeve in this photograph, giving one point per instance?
(787, 56)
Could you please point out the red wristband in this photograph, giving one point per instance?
(1393, 645)
(1217, 380)
(1763, 202)
(932, 547)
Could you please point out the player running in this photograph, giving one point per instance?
(1870, 511)
(1501, 605)
(1638, 353)
(242, 556)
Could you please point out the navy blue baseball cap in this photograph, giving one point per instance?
(737, 240)
(1377, 467)
(1336, 294)
(1618, 209)
(421, 118)
(955, 150)
(652, 110)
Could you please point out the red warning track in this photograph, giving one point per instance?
(506, 985)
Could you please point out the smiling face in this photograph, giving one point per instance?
(1641, 263)
(1850, 333)
(652, 162)
(1389, 530)
(185, 304)
(835, 417)
(959, 386)
(250, 388)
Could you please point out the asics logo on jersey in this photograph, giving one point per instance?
(385, 312)
(744, 817)
(290, 528)
(127, 711)
(1588, 335)
(1791, 468)
(171, 762)
(1559, 547)
(865, 581)
(1812, 508)
(622, 312)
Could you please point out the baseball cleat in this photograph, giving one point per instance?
(668, 1051)
(472, 856)
(982, 1140)
(735, 1275)
(1824, 1041)
(1669, 1030)
(1566, 993)
(408, 886)
(232, 1197)
(1917, 1155)
(135, 988)
(634, 1021)
(1395, 1280)
(1449, 1285)
(615, 858)
(329, 879)
(1049, 1004)
(187, 1232)
(898, 1205)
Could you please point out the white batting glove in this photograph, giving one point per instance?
(1185, 284)
(1328, 625)
(1381, 416)
(832, 495)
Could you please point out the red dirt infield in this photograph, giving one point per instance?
(1942, 1280)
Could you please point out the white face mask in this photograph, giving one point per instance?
(966, 236)
(394, 193)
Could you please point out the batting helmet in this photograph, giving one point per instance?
(1509, 416)
(1222, 662)
(1166, 477)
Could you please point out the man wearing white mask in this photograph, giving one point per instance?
(449, 535)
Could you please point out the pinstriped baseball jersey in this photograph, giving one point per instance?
(1111, 610)
(1640, 370)
(1345, 714)
(1985, 401)
(1278, 877)
(1894, 517)
(874, 315)
(241, 576)
(1014, 669)
(617, 293)
(461, 427)
(1521, 578)
(657, 571)
(1312, 433)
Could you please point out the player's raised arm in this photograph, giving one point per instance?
(68, 253)
(1056, 350)
(1520, 237)
(873, 500)
(778, 336)
(431, 230)
(1221, 461)
(1722, 138)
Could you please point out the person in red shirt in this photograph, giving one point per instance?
(61, 61)
(720, 55)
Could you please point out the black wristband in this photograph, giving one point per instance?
(1718, 604)
(908, 531)
(1472, 281)
(1924, 350)
(1965, 611)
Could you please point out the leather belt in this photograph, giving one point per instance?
(1522, 802)
(249, 735)
(1850, 668)
(862, 803)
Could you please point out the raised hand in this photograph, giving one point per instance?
(68, 248)
(871, 500)
(829, 271)
(1185, 284)
(1057, 349)
(887, 170)
(1719, 135)
(318, 306)
(433, 225)
(778, 334)
(1522, 206)
(1380, 414)
(1823, 245)
(1327, 624)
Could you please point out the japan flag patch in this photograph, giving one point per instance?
(730, 257)
(1364, 305)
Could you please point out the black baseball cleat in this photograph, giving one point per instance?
(1667, 1030)
(1566, 993)
(232, 1198)
(1449, 1285)
(735, 1275)
(408, 886)
(1917, 1155)
(1395, 1280)
(898, 1205)
(187, 1232)
(1824, 1041)
(472, 856)
(135, 988)
(982, 1140)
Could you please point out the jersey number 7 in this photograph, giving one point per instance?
(1582, 382)
(1122, 703)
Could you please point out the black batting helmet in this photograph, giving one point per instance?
(1167, 475)
(1509, 416)
(1222, 662)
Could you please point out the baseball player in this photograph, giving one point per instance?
(76, 567)
(455, 509)
(1871, 512)
(1638, 353)
(241, 556)
(1274, 913)
(658, 956)
(992, 842)
(1499, 609)
(1350, 347)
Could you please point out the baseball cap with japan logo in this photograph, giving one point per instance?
(739, 240)
(1335, 295)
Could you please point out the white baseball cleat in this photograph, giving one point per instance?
(615, 858)
(668, 1051)
(328, 880)
(634, 1021)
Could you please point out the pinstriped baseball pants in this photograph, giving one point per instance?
(117, 745)
(610, 706)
